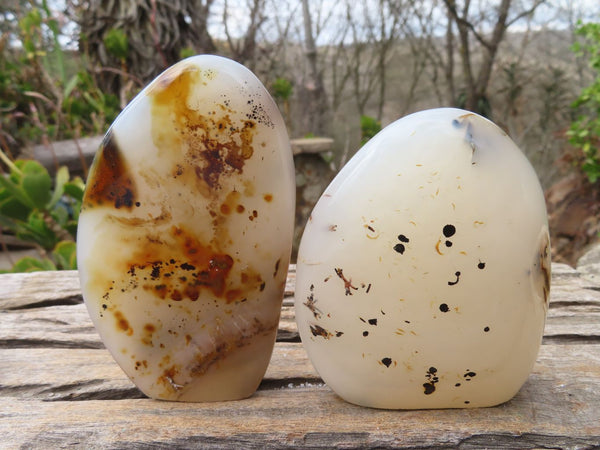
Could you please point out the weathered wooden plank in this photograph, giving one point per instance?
(311, 145)
(29, 290)
(87, 374)
(574, 313)
(64, 326)
(559, 405)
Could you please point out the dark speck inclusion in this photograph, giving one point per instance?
(457, 275)
(386, 362)
(432, 379)
(311, 303)
(400, 248)
(318, 330)
(468, 375)
(444, 307)
(449, 230)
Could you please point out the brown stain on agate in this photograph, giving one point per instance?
(180, 267)
(214, 145)
(110, 183)
(122, 323)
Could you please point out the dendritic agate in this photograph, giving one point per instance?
(424, 271)
(185, 233)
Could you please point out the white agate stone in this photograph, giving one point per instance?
(423, 273)
(185, 233)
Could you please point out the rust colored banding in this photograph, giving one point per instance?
(215, 143)
(110, 181)
(180, 267)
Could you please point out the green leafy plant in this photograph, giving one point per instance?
(584, 133)
(41, 211)
(369, 127)
(116, 43)
(47, 92)
(282, 89)
(186, 52)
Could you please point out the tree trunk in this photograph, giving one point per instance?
(315, 99)
(449, 70)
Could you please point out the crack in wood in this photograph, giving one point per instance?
(62, 301)
(103, 394)
(49, 343)
(287, 336)
(566, 303)
(80, 391)
(291, 383)
(567, 338)
(527, 440)
(17, 391)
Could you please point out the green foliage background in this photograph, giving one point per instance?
(584, 133)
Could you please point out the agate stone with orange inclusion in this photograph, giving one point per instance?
(185, 232)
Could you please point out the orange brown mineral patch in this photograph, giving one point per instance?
(111, 183)
(215, 143)
(180, 267)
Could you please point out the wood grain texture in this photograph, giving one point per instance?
(59, 387)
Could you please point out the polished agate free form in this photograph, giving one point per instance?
(423, 273)
(185, 232)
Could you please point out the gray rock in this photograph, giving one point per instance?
(589, 264)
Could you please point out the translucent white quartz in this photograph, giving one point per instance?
(185, 233)
(423, 273)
